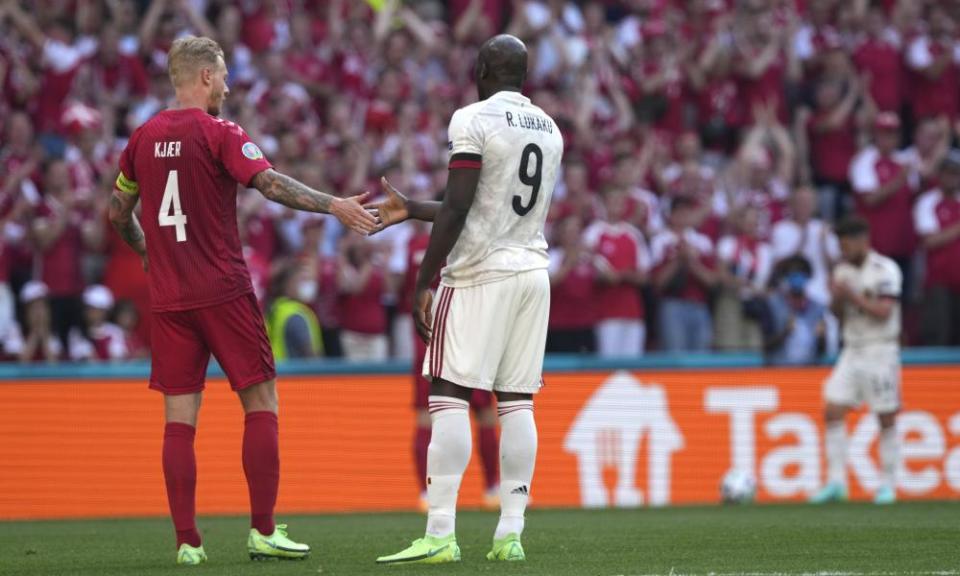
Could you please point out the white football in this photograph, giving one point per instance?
(738, 487)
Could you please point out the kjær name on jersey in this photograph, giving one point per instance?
(166, 149)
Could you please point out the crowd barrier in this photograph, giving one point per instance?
(84, 441)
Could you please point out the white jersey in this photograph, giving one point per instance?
(518, 148)
(878, 276)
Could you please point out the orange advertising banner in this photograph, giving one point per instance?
(92, 448)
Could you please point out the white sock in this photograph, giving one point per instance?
(835, 440)
(889, 455)
(518, 454)
(447, 458)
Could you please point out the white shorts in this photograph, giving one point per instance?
(868, 376)
(491, 336)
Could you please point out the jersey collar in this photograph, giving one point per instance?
(510, 95)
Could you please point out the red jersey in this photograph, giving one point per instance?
(766, 88)
(126, 75)
(363, 312)
(621, 247)
(885, 64)
(934, 96)
(60, 263)
(831, 149)
(934, 212)
(185, 165)
(891, 221)
(665, 248)
(573, 300)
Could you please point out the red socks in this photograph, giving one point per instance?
(180, 473)
(261, 464)
(420, 444)
(489, 454)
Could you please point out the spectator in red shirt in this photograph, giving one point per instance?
(754, 180)
(123, 75)
(63, 231)
(935, 57)
(98, 339)
(623, 261)
(62, 54)
(362, 284)
(831, 133)
(815, 39)
(689, 175)
(881, 180)
(125, 316)
(683, 275)
(38, 342)
(762, 63)
(659, 78)
(931, 142)
(937, 218)
(578, 199)
(19, 159)
(327, 303)
(878, 56)
(720, 111)
(573, 291)
(744, 264)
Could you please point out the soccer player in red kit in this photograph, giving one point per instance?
(185, 165)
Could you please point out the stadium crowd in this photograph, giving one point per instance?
(710, 146)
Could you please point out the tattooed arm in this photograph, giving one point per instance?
(290, 192)
(125, 222)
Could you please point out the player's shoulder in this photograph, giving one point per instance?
(882, 264)
(844, 268)
(219, 126)
(468, 112)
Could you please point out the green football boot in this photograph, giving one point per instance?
(426, 550)
(508, 549)
(188, 555)
(885, 495)
(275, 546)
(832, 492)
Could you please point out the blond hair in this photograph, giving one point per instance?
(188, 55)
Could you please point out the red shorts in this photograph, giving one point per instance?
(421, 386)
(233, 332)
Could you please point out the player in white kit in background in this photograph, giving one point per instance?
(866, 297)
(488, 326)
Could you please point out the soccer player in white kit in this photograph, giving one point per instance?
(488, 327)
(866, 297)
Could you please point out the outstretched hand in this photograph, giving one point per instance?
(391, 210)
(352, 213)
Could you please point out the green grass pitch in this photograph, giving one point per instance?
(853, 539)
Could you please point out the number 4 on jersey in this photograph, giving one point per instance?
(176, 217)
